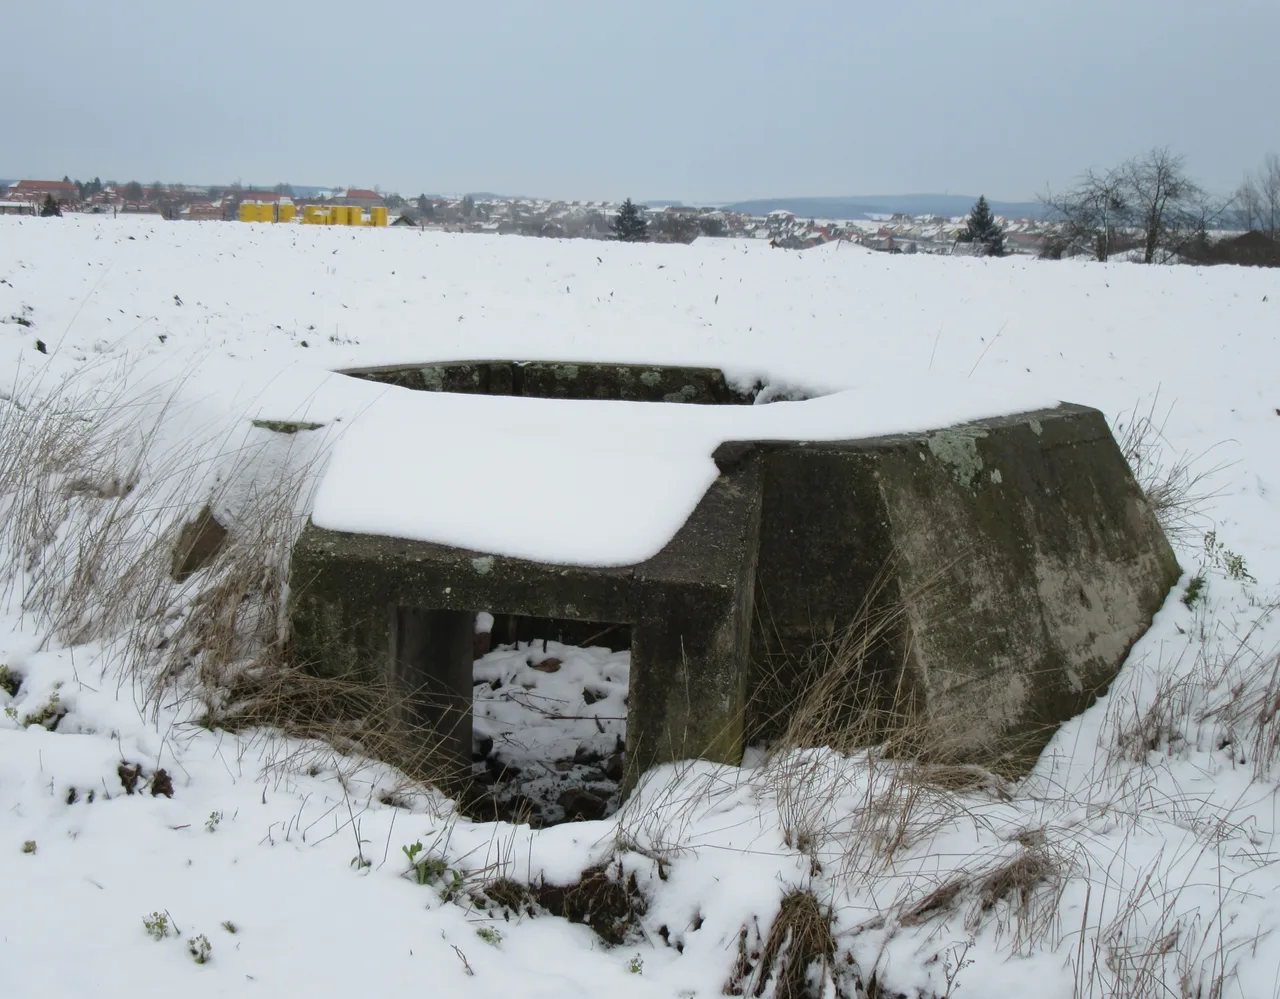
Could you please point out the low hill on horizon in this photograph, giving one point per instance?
(857, 206)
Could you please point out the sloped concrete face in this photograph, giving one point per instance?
(1019, 552)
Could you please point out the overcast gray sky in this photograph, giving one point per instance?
(700, 101)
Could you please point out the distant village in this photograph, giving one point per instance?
(521, 216)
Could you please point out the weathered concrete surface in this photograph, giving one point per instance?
(1021, 549)
(1019, 553)
(562, 380)
(689, 608)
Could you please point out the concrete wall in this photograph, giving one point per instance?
(562, 380)
(689, 608)
(1023, 553)
(1017, 556)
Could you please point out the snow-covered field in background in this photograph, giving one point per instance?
(1168, 843)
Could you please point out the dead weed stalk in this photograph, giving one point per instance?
(1179, 490)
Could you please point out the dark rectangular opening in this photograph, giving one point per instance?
(549, 718)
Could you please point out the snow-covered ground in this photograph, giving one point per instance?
(551, 722)
(1145, 838)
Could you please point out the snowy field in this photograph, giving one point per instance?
(1139, 859)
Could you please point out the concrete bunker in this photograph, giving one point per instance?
(1020, 552)
(579, 380)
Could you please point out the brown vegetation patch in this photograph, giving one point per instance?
(161, 783)
(129, 775)
(799, 940)
(609, 905)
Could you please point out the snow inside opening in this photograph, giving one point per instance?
(549, 718)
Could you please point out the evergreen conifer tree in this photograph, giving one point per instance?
(50, 207)
(983, 228)
(629, 226)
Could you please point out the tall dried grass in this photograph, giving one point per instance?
(94, 492)
(859, 761)
(1179, 489)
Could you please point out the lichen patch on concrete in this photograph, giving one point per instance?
(958, 449)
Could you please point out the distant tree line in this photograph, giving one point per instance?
(630, 226)
(1150, 205)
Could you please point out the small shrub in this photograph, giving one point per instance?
(452, 886)
(230, 927)
(49, 713)
(211, 823)
(199, 948)
(429, 869)
(29, 846)
(1221, 557)
(1195, 589)
(956, 961)
(9, 680)
(636, 965)
(157, 925)
(489, 935)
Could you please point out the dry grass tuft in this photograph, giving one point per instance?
(1229, 695)
(858, 762)
(316, 715)
(1180, 490)
(1018, 894)
(797, 960)
(611, 904)
(1022, 895)
(1156, 944)
(96, 503)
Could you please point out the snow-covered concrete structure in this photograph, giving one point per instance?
(1016, 556)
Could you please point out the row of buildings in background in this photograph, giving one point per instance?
(171, 201)
(523, 216)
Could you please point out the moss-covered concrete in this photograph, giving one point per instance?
(1018, 554)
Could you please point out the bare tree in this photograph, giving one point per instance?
(1089, 213)
(1162, 201)
(1258, 199)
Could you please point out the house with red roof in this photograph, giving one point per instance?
(64, 192)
